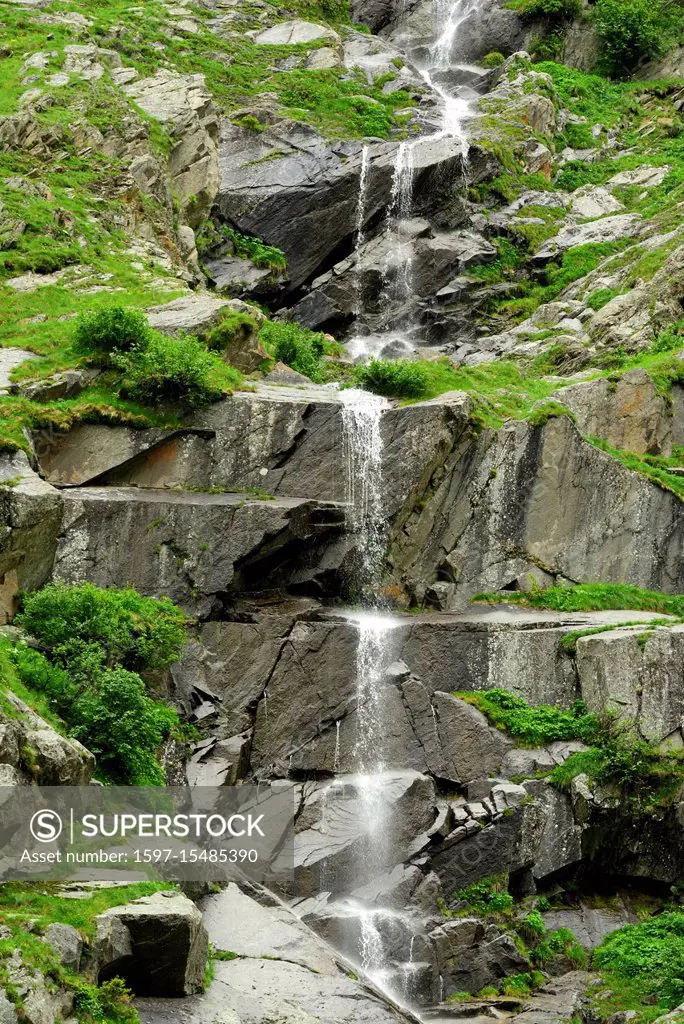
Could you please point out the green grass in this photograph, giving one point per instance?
(640, 967)
(533, 725)
(500, 390)
(10, 680)
(587, 597)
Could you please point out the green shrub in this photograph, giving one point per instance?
(294, 345)
(554, 10)
(561, 942)
(233, 327)
(249, 248)
(669, 340)
(630, 33)
(107, 709)
(648, 957)
(488, 896)
(534, 725)
(178, 370)
(137, 632)
(112, 330)
(493, 59)
(397, 379)
(578, 136)
(93, 639)
(109, 1002)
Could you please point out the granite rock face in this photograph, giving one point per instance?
(281, 970)
(299, 192)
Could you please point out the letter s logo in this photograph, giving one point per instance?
(46, 826)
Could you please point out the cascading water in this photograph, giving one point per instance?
(366, 520)
(397, 264)
(360, 222)
(398, 283)
(361, 416)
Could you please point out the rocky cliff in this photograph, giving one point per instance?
(446, 615)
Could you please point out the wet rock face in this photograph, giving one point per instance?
(299, 192)
(279, 963)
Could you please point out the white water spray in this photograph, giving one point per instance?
(360, 223)
(361, 421)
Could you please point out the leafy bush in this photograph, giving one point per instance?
(535, 725)
(112, 330)
(561, 942)
(578, 136)
(250, 248)
(647, 956)
(177, 370)
(233, 327)
(643, 774)
(109, 1002)
(488, 896)
(397, 379)
(554, 10)
(137, 632)
(521, 984)
(107, 709)
(493, 59)
(669, 340)
(93, 640)
(296, 346)
(630, 32)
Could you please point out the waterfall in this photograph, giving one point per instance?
(361, 416)
(372, 955)
(456, 13)
(398, 286)
(360, 222)
(367, 523)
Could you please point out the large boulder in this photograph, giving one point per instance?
(32, 752)
(30, 516)
(299, 192)
(185, 104)
(280, 970)
(636, 674)
(629, 414)
(158, 944)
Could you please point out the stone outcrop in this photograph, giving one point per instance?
(629, 414)
(30, 515)
(33, 753)
(158, 944)
(280, 969)
(290, 187)
(194, 547)
(526, 497)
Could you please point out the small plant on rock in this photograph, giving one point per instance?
(296, 346)
(178, 370)
(112, 330)
(396, 379)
